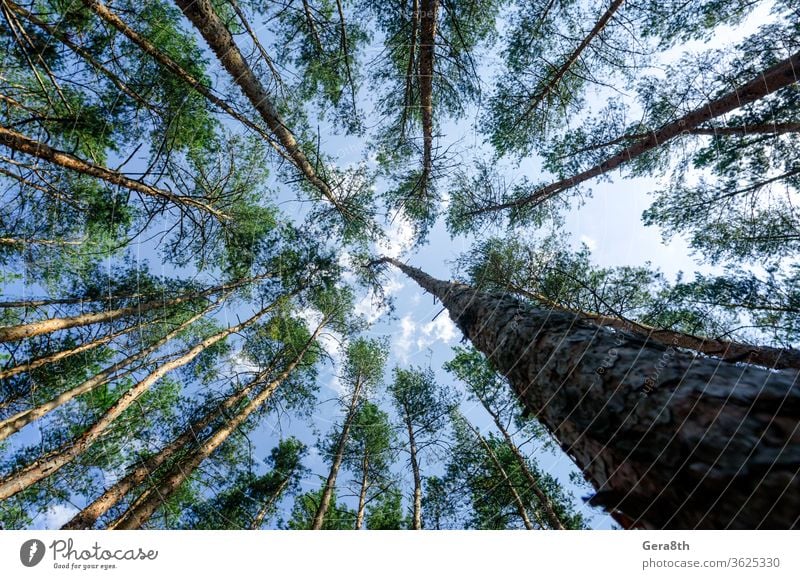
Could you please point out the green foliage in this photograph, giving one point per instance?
(385, 512)
(338, 516)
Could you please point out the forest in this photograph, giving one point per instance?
(411, 264)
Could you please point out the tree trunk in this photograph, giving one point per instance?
(48, 464)
(87, 518)
(427, 43)
(144, 506)
(416, 521)
(201, 13)
(32, 329)
(779, 76)
(330, 483)
(19, 142)
(57, 356)
(258, 520)
(164, 60)
(767, 356)
(523, 513)
(20, 420)
(573, 58)
(362, 495)
(668, 438)
(551, 519)
(408, 94)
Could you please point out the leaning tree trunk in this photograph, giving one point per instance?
(518, 502)
(51, 462)
(330, 483)
(669, 438)
(362, 495)
(144, 506)
(258, 520)
(416, 521)
(779, 76)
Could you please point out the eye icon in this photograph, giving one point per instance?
(31, 553)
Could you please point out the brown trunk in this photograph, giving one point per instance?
(774, 78)
(573, 58)
(408, 97)
(767, 356)
(551, 519)
(330, 483)
(523, 513)
(427, 43)
(19, 142)
(362, 495)
(20, 420)
(57, 356)
(87, 518)
(416, 521)
(50, 463)
(201, 13)
(258, 520)
(144, 506)
(109, 17)
(669, 439)
(32, 329)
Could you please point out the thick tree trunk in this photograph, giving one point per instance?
(32, 329)
(669, 438)
(20, 420)
(19, 142)
(362, 495)
(87, 518)
(551, 519)
(537, 99)
(518, 503)
(201, 13)
(144, 506)
(779, 76)
(427, 42)
(767, 356)
(50, 463)
(330, 483)
(416, 521)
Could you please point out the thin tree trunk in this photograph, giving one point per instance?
(551, 519)
(408, 95)
(573, 58)
(523, 513)
(362, 495)
(416, 521)
(164, 60)
(427, 42)
(258, 520)
(58, 356)
(87, 518)
(779, 76)
(48, 326)
(19, 142)
(201, 13)
(144, 507)
(668, 439)
(21, 419)
(50, 463)
(330, 483)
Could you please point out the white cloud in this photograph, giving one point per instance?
(399, 238)
(419, 337)
(370, 307)
(442, 329)
(404, 341)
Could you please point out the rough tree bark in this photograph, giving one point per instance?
(427, 43)
(669, 438)
(780, 75)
